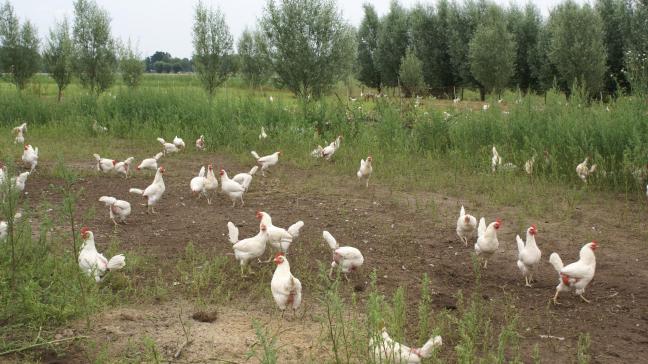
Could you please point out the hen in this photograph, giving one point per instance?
(280, 239)
(365, 169)
(94, 263)
(244, 179)
(329, 150)
(123, 168)
(528, 254)
(197, 184)
(30, 157)
(20, 138)
(150, 163)
(19, 181)
(247, 249)
(232, 189)
(496, 161)
(211, 184)
(266, 161)
(583, 171)
(487, 242)
(104, 164)
(347, 258)
(386, 350)
(4, 226)
(466, 225)
(167, 148)
(200, 143)
(263, 134)
(116, 208)
(153, 193)
(178, 142)
(286, 289)
(576, 275)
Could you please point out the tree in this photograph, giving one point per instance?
(577, 47)
(131, 65)
(368, 36)
(492, 53)
(19, 56)
(158, 56)
(309, 44)
(615, 17)
(212, 45)
(411, 74)
(58, 55)
(525, 27)
(542, 70)
(393, 43)
(462, 24)
(95, 58)
(255, 65)
(636, 57)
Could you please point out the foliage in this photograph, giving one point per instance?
(255, 66)
(393, 42)
(525, 26)
(163, 62)
(615, 17)
(58, 55)
(19, 56)
(309, 44)
(212, 45)
(411, 74)
(131, 65)
(368, 35)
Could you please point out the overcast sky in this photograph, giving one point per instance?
(166, 24)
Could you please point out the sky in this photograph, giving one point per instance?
(166, 24)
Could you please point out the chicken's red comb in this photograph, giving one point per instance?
(498, 220)
(280, 254)
(534, 226)
(84, 230)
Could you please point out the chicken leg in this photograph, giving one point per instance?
(584, 299)
(555, 298)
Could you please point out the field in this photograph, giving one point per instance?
(418, 278)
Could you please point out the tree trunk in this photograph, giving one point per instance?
(60, 94)
(482, 94)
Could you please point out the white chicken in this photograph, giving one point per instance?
(247, 249)
(123, 167)
(329, 150)
(388, 351)
(487, 242)
(211, 184)
(116, 208)
(317, 152)
(244, 179)
(104, 164)
(366, 169)
(286, 289)
(466, 225)
(232, 189)
(19, 181)
(485, 107)
(22, 128)
(346, 257)
(197, 184)
(280, 239)
(178, 142)
(30, 157)
(528, 165)
(20, 138)
(153, 193)
(583, 171)
(576, 275)
(94, 263)
(4, 226)
(266, 161)
(98, 128)
(200, 143)
(167, 148)
(150, 163)
(263, 134)
(496, 161)
(528, 254)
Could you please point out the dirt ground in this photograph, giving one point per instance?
(398, 239)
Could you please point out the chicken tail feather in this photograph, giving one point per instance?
(330, 240)
(255, 154)
(556, 262)
(294, 229)
(233, 232)
(136, 191)
(430, 345)
(117, 262)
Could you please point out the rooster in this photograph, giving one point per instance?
(386, 350)
(329, 150)
(263, 134)
(286, 289)
(266, 161)
(104, 164)
(153, 193)
(19, 181)
(496, 160)
(30, 157)
(528, 254)
(280, 239)
(123, 168)
(365, 169)
(197, 184)
(466, 225)
(584, 172)
(94, 263)
(576, 275)
(167, 148)
(487, 242)
(244, 179)
(150, 163)
(211, 184)
(116, 208)
(4, 226)
(232, 189)
(178, 142)
(200, 143)
(247, 249)
(347, 258)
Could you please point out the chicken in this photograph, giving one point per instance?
(178, 142)
(280, 239)
(22, 128)
(20, 138)
(456, 100)
(528, 165)
(485, 107)
(347, 258)
(466, 225)
(576, 275)
(211, 184)
(104, 164)
(98, 128)
(244, 179)
(117, 208)
(584, 172)
(286, 289)
(528, 254)
(496, 161)
(197, 184)
(123, 168)
(200, 143)
(263, 134)
(388, 351)
(329, 150)
(247, 249)
(487, 242)
(317, 152)
(30, 157)
(266, 161)
(167, 148)
(4, 226)
(232, 189)
(19, 181)
(153, 193)
(150, 163)
(365, 169)
(92, 262)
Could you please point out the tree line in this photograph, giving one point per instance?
(306, 46)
